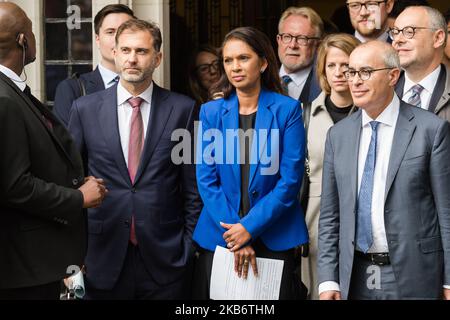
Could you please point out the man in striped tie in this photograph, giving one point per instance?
(419, 35)
(384, 229)
(140, 238)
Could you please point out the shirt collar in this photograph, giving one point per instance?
(298, 77)
(388, 116)
(427, 83)
(13, 76)
(107, 75)
(383, 36)
(123, 95)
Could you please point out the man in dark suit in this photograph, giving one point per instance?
(42, 188)
(299, 33)
(420, 35)
(384, 228)
(140, 238)
(106, 23)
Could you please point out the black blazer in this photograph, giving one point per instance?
(69, 90)
(42, 224)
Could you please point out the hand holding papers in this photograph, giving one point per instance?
(75, 286)
(226, 285)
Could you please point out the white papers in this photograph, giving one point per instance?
(226, 285)
(76, 282)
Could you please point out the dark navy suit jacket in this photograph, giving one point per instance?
(163, 198)
(69, 90)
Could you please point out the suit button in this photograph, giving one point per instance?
(75, 182)
(254, 193)
(133, 190)
(353, 243)
(127, 223)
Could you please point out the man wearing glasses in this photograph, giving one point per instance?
(419, 35)
(384, 228)
(299, 33)
(370, 19)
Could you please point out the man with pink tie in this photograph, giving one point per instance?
(140, 239)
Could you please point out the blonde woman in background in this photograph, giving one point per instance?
(332, 105)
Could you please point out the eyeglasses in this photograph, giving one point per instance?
(363, 74)
(302, 40)
(408, 32)
(355, 7)
(206, 68)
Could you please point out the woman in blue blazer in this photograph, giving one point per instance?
(250, 155)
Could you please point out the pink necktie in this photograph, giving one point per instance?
(135, 147)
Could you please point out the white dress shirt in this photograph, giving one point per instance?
(385, 135)
(299, 78)
(13, 77)
(428, 83)
(108, 76)
(382, 37)
(124, 111)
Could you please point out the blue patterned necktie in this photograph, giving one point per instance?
(286, 80)
(364, 236)
(414, 99)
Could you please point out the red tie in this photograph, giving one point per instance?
(135, 147)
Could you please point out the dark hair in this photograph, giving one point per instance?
(111, 8)
(142, 25)
(447, 16)
(400, 5)
(261, 45)
(200, 94)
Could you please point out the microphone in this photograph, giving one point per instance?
(24, 48)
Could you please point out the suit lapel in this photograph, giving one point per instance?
(439, 96)
(94, 82)
(399, 87)
(353, 142)
(108, 120)
(159, 115)
(263, 121)
(404, 131)
(230, 121)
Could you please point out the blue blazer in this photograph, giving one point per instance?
(163, 197)
(69, 90)
(275, 215)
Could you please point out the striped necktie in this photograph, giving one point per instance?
(414, 99)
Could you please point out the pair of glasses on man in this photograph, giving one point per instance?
(363, 74)
(208, 67)
(355, 7)
(301, 40)
(408, 32)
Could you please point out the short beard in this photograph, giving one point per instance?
(298, 66)
(137, 78)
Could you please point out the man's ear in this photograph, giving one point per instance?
(21, 41)
(439, 38)
(158, 59)
(394, 75)
(389, 6)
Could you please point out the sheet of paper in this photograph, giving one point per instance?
(226, 285)
(77, 282)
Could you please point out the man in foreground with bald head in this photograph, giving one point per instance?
(384, 229)
(42, 187)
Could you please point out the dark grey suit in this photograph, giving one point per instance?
(417, 203)
(440, 98)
